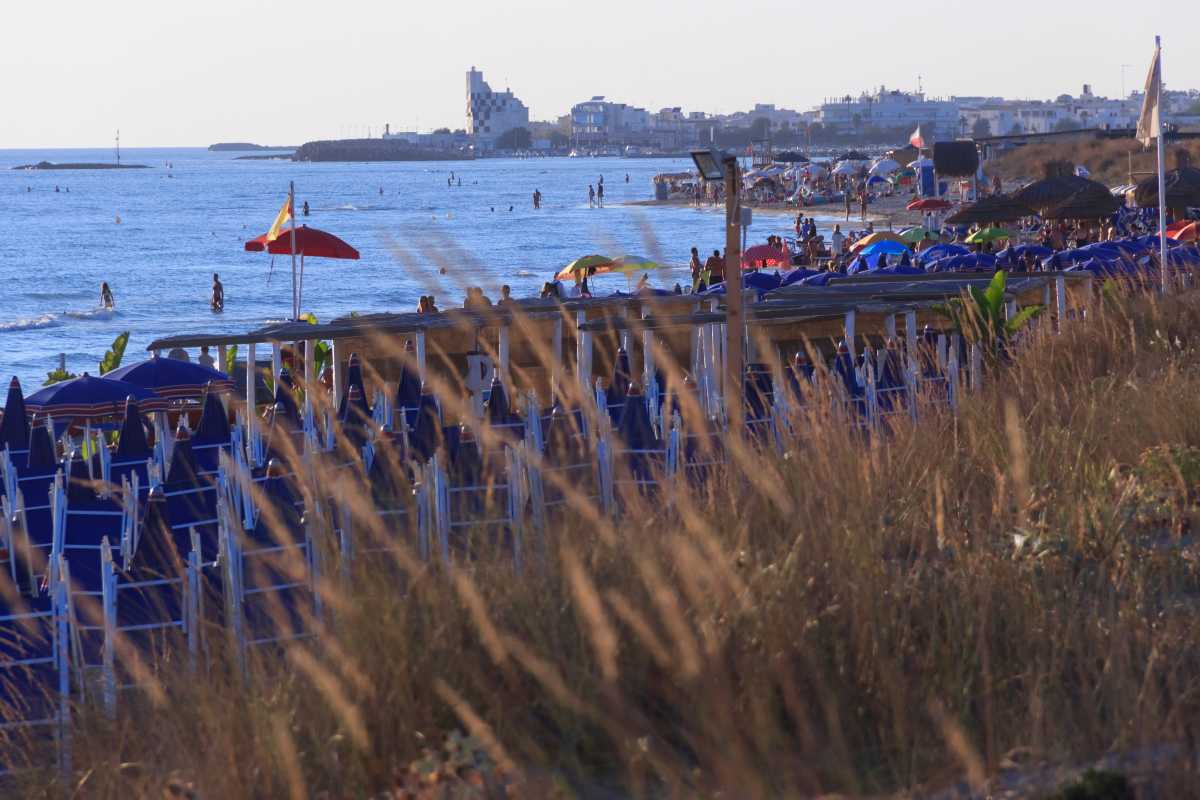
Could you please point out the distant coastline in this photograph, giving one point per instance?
(242, 147)
(49, 165)
(373, 150)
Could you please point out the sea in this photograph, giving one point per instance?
(157, 235)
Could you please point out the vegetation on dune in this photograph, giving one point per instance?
(1108, 160)
(898, 613)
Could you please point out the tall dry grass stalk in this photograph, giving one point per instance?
(861, 614)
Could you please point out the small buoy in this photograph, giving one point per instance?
(118, 219)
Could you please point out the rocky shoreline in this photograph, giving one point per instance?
(372, 150)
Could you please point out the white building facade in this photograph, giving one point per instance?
(890, 110)
(491, 114)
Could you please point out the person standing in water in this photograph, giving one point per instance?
(600, 194)
(106, 296)
(306, 208)
(591, 196)
(218, 294)
(537, 198)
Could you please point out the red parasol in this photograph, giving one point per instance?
(765, 255)
(309, 242)
(1186, 230)
(928, 204)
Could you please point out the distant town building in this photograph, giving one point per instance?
(491, 114)
(599, 122)
(890, 110)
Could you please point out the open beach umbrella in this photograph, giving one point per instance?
(14, 429)
(629, 264)
(928, 204)
(884, 167)
(309, 242)
(764, 255)
(878, 236)
(582, 265)
(172, 378)
(845, 168)
(1187, 230)
(88, 398)
(885, 246)
(914, 235)
(988, 235)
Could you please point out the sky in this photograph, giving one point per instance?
(192, 73)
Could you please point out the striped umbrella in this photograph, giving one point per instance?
(173, 378)
(89, 398)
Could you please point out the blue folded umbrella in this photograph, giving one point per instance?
(797, 275)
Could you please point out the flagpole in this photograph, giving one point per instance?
(292, 214)
(1162, 180)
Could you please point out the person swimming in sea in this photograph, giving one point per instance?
(218, 294)
(306, 208)
(106, 296)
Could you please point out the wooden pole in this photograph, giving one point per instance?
(734, 307)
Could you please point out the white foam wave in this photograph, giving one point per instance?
(92, 313)
(524, 273)
(29, 324)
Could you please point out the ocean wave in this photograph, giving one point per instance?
(31, 323)
(92, 313)
(524, 273)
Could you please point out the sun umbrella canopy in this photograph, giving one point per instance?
(878, 236)
(764, 255)
(88, 397)
(628, 263)
(988, 235)
(172, 378)
(1187, 230)
(886, 247)
(884, 167)
(310, 242)
(914, 235)
(928, 204)
(583, 265)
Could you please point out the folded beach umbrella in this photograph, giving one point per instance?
(132, 445)
(14, 428)
(42, 458)
(170, 377)
(88, 398)
(213, 427)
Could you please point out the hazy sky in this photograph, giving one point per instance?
(191, 73)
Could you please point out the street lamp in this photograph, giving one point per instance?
(714, 165)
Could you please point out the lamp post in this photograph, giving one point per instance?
(717, 165)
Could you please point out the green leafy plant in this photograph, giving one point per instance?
(58, 375)
(980, 315)
(112, 359)
(231, 360)
(322, 351)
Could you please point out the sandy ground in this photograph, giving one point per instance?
(885, 212)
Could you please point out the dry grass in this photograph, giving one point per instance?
(1106, 159)
(853, 617)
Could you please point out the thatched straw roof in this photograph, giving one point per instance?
(1047, 193)
(1182, 184)
(1088, 204)
(996, 208)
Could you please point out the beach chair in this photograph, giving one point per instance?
(191, 499)
(562, 461)
(35, 673)
(269, 571)
(399, 498)
(477, 491)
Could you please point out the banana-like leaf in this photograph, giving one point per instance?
(1022, 318)
(231, 360)
(112, 359)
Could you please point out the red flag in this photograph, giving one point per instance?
(917, 140)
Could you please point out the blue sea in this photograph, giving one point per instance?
(189, 214)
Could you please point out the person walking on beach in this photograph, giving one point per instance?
(838, 241)
(863, 197)
(306, 208)
(106, 297)
(715, 266)
(591, 196)
(218, 294)
(696, 268)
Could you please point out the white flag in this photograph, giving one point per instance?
(1150, 122)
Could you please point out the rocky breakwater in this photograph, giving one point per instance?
(373, 150)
